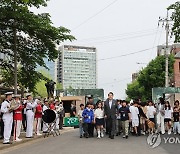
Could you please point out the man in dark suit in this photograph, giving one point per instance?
(110, 109)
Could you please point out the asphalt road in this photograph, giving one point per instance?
(70, 143)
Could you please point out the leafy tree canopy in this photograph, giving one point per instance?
(176, 20)
(151, 76)
(33, 36)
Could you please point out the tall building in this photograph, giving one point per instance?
(76, 67)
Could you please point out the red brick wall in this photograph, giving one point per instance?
(177, 73)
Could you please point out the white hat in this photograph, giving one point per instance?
(8, 93)
(17, 96)
(28, 94)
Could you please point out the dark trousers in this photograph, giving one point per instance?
(60, 122)
(111, 124)
(24, 122)
(91, 130)
(139, 128)
(86, 127)
(106, 126)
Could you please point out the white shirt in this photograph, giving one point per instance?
(168, 113)
(44, 108)
(134, 112)
(31, 105)
(150, 111)
(80, 115)
(5, 109)
(99, 113)
(110, 103)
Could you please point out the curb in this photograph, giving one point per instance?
(30, 140)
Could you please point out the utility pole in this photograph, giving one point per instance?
(167, 64)
(166, 21)
(15, 51)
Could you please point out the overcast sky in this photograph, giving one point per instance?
(115, 28)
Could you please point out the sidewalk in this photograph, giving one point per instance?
(25, 140)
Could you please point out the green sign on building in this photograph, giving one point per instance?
(71, 121)
(158, 92)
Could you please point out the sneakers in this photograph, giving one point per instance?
(102, 134)
(99, 134)
(143, 133)
(124, 136)
(169, 131)
(39, 134)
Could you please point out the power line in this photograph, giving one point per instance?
(119, 39)
(85, 21)
(132, 53)
(117, 35)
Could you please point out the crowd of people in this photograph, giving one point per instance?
(27, 112)
(119, 117)
(113, 117)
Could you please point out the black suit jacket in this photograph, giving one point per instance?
(110, 112)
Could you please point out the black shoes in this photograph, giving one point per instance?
(81, 136)
(45, 132)
(30, 137)
(126, 136)
(112, 137)
(7, 143)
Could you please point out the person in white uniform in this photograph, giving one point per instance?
(7, 117)
(160, 115)
(31, 105)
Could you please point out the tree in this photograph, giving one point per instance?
(40, 86)
(59, 86)
(134, 91)
(151, 76)
(26, 39)
(176, 18)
